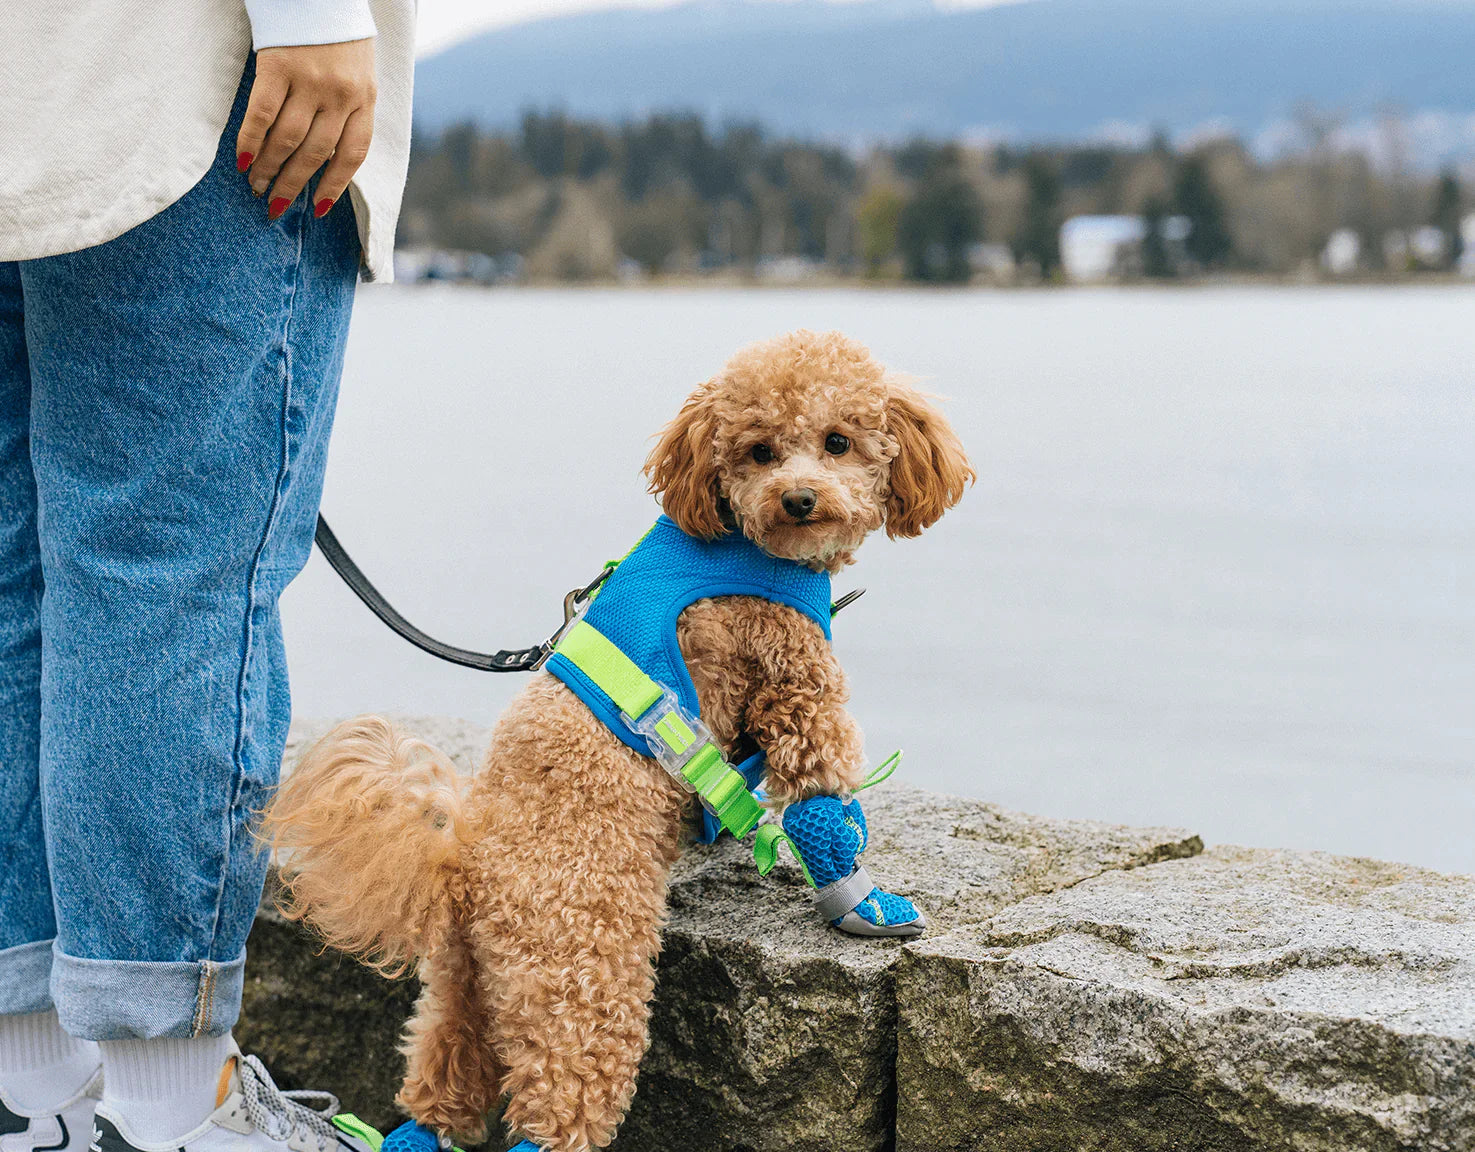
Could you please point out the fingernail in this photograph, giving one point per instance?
(243, 161)
(258, 187)
(277, 206)
(321, 207)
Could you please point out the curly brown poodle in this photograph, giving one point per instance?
(531, 900)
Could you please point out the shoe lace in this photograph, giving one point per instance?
(280, 1115)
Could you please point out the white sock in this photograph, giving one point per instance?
(41, 1066)
(162, 1090)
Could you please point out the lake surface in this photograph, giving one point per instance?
(1218, 570)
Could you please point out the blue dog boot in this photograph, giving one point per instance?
(829, 835)
(411, 1137)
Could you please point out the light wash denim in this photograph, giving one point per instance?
(165, 404)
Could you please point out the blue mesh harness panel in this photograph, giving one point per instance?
(637, 607)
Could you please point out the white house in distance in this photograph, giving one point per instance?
(1100, 247)
(1342, 252)
(992, 261)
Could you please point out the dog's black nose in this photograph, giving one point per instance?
(799, 502)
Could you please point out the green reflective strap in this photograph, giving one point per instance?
(705, 770)
(620, 678)
(735, 805)
(765, 851)
(723, 787)
(593, 654)
(724, 790)
(351, 1124)
(741, 814)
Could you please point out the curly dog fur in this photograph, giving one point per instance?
(532, 901)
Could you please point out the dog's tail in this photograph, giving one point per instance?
(374, 825)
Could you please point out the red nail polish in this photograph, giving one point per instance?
(321, 207)
(243, 161)
(277, 206)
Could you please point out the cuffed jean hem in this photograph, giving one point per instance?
(146, 999)
(25, 979)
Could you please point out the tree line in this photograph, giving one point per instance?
(563, 198)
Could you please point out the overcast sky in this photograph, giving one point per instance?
(442, 22)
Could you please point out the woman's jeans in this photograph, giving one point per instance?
(165, 404)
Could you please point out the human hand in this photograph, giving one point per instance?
(311, 105)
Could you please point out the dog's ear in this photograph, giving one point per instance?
(682, 469)
(930, 470)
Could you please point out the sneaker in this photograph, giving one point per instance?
(252, 1115)
(54, 1130)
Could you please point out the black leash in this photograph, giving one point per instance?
(507, 660)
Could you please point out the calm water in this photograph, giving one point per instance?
(1218, 570)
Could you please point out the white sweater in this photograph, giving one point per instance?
(110, 112)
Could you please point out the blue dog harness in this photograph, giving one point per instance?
(665, 573)
(622, 659)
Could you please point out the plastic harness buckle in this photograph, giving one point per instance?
(678, 740)
(684, 747)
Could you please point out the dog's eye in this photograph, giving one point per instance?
(762, 453)
(837, 445)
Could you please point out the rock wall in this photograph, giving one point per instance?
(1080, 986)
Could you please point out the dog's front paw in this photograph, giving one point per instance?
(829, 835)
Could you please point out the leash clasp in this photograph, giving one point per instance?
(575, 599)
(572, 603)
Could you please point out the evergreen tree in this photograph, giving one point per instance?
(1157, 261)
(940, 223)
(878, 220)
(1195, 197)
(458, 143)
(1039, 238)
(669, 185)
(649, 232)
(1446, 214)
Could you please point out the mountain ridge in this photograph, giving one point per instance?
(1058, 69)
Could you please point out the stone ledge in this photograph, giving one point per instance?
(1243, 1000)
(771, 1025)
(1081, 985)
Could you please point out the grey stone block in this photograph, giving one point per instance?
(771, 1031)
(1244, 1000)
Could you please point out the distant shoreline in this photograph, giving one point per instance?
(723, 283)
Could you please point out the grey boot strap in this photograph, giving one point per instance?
(834, 900)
